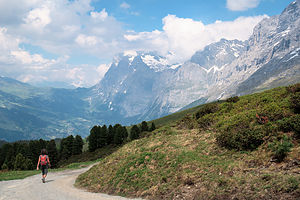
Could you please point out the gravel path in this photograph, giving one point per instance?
(58, 186)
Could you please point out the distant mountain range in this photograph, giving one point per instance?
(142, 86)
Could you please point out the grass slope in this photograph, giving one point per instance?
(169, 119)
(187, 159)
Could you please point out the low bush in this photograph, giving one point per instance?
(233, 99)
(295, 97)
(291, 124)
(281, 148)
(244, 139)
(226, 107)
(186, 123)
(294, 88)
(205, 121)
(207, 109)
(273, 111)
(4, 166)
(295, 102)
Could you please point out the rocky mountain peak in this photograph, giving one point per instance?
(290, 15)
(219, 54)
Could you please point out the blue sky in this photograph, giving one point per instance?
(146, 15)
(48, 41)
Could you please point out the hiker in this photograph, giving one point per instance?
(45, 163)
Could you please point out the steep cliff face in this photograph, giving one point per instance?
(219, 54)
(272, 58)
(132, 84)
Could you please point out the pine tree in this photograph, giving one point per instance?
(134, 132)
(144, 126)
(52, 153)
(92, 139)
(35, 150)
(98, 135)
(110, 135)
(102, 137)
(2, 157)
(9, 156)
(66, 147)
(77, 145)
(42, 144)
(125, 133)
(118, 137)
(152, 127)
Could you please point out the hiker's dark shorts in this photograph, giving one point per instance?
(44, 169)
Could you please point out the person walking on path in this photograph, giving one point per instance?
(45, 163)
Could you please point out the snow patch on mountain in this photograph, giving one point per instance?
(156, 63)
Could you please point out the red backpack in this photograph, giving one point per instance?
(43, 159)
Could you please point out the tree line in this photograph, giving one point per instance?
(101, 136)
(23, 155)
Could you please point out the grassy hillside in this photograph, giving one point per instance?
(242, 148)
(174, 117)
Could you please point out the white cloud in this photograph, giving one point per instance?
(38, 18)
(100, 15)
(66, 28)
(241, 5)
(86, 41)
(183, 36)
(26, 58)
(125, 5)
(60, 27)
(34, 68)
(102, 69)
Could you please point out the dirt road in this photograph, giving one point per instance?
(58, 186)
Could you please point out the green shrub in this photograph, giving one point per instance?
(290, 124)
(244, 139)
(294, 88)
(233, 99)
(273, 111)
(20, 162)
(205, 121)
(227, 107)
(186, 123)
(207, 109)
(281, 148)
(295, 97)
(240, 132)
(293, 184)
(134, 132)
(295, 102)
(4, 166)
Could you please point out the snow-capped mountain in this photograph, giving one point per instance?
(130, 85)
(219, 54)
(144, 86)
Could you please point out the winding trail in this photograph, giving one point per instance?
(58, 186)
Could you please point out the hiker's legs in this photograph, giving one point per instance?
(44, 173)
